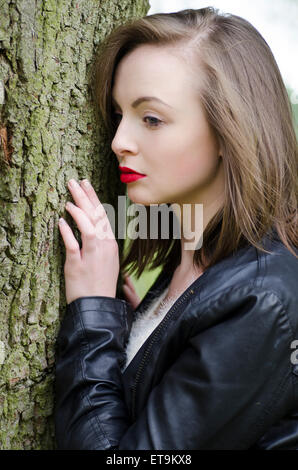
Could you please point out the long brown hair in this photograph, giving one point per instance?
(246, 104)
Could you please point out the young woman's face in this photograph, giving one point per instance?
(170, 142)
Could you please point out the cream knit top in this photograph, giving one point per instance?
(146, 322)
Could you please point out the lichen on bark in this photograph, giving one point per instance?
(48, 134)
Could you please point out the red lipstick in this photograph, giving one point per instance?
(128, 175)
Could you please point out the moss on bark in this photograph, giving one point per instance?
(48, 134)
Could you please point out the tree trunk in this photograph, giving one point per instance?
(49, 133)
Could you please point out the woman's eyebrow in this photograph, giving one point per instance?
(140, 100)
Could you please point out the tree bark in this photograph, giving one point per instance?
(49, 133)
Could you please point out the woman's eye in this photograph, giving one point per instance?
(154, 122)
(151, 121)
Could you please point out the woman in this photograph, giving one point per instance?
(216, 367)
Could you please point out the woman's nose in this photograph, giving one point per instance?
(123, 141)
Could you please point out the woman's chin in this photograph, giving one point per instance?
(138, 197)
(143, 201)
(145, 197)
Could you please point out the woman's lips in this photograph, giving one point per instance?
(130, 177)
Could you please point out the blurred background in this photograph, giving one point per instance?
(277, 22)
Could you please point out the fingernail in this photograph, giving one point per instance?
(62, 221)
(86, 183)
(72, 183)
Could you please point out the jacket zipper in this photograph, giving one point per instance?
(149, 347)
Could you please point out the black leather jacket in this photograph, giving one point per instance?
(218, 372)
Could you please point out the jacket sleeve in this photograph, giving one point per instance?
(228, 384)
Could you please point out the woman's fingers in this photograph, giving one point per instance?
(86, 228)
(132, 298)
(80, 197)
(102, 224)
(129, 282)
(130, 293)
(86, 199)
(70, 242)
(94, 269)
(91, 194)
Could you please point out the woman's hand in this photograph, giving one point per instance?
(93, 270)
(130, 293)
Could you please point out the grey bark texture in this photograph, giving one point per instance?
(49, 133)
